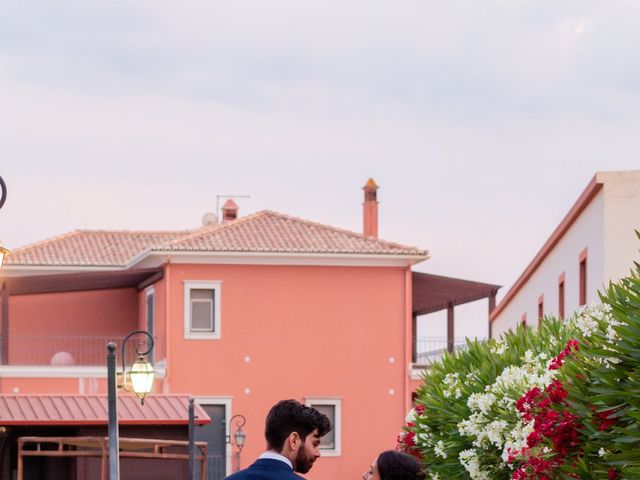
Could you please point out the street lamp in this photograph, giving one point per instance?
(239, 436)
(3, 198)
(141, 376)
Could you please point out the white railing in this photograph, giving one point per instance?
(78, 350)
(432, 349)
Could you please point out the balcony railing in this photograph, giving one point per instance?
(41, 350)
(432, 349)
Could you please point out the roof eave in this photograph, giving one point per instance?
(159, 257)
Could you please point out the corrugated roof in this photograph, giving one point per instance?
(262, 232)
(93, 410)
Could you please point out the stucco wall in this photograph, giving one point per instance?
(42, 324)
(296, 332)
(622, 219)
(586, 232)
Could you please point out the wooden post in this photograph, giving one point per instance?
(492, 305)
(450, 327)
(414, 339)
(4, 324)
(20, 465)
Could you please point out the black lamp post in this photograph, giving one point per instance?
(239, 436)
(141, 376)
(3, 198)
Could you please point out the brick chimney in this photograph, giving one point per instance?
(370, 209)
(229, 211)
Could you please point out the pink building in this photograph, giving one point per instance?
(244, 313)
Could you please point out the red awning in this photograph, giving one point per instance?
(92, 410)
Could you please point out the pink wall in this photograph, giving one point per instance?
(310, 332)
(64, 318)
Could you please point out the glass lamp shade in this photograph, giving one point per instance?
(3, 253)
(141, 375)
(239, 437)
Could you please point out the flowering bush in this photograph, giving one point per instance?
(560, 401)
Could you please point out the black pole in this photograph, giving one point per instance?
(114, 458)
(192, 443)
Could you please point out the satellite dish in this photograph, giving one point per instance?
(209, 218)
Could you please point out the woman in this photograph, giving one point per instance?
(392, 465)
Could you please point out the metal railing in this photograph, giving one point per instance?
(432, 349)
(78, 350)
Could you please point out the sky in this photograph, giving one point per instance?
(482, 122)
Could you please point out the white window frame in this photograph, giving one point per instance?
(214, 285)
(337, 423)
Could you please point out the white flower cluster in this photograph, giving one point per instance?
(499, 347)
(425, 438)
(522, 378)
(469, 460)
(489, 433)
(452, 385)
(439, 449)
(612, 334)
(590, 318)
(585, 324)
(516, 438)
(481, 402)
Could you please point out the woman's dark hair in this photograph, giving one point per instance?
(288, 416)
(394, 465)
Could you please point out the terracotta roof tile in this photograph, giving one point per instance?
(272, 232)
(262, 232)
(89, 248)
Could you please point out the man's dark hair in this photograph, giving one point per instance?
(394, 465)
(289, 416)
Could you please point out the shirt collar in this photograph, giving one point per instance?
(276, 456)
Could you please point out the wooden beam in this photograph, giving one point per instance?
(151, 280)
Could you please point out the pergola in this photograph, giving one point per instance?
(433, 293)
(77, 447)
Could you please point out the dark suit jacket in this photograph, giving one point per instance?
(266, 469)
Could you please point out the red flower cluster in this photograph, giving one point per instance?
(553, 425)
(556, 363)
(406, 441)
(603, 420)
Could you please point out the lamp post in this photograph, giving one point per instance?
(3, 198)
(141, 375)
(239, 437)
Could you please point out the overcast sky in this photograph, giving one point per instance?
(482, 122)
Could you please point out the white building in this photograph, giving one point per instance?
(595, 243)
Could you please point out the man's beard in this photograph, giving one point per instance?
(302, 463)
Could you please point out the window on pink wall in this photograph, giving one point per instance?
(583, 278)
(202, 309)
(330, 444)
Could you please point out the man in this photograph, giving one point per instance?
(293, 433)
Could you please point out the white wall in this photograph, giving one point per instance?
(587, 231)
(621, 219)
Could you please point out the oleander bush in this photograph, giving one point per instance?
(558, 402)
